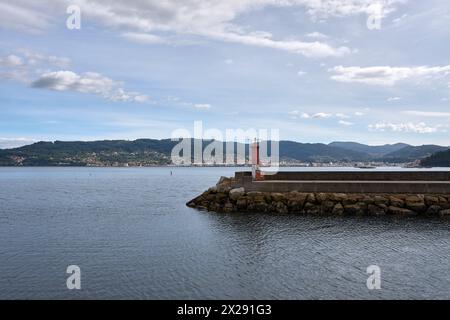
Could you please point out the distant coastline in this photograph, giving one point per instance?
(152, 152)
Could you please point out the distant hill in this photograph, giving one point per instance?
(412, 153)
(375, 151)
(439, 159)
(319, 152)
(101, 153)
(148, 152)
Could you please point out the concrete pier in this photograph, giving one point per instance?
(425, 193)
(415, 182)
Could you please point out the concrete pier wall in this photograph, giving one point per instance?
(413, 182)
(361, 176)
(317, 197)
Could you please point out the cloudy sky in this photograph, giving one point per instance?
(318, 70)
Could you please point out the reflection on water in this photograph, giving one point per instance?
(133, 237)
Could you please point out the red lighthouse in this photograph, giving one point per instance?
(256, 172)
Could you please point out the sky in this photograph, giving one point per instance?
(374, 72)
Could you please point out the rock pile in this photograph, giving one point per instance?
(226, 196)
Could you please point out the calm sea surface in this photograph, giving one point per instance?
(129, 231)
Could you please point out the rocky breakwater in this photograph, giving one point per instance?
(228, 196)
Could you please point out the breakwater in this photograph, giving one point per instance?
(405, 193)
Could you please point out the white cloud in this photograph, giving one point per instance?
(11, 61)
(28, 16)
(321, 115)
(24, 67)
(345, 123)
(393, 99)
(229, 61)
(174, 15)
(420, 127)
(25, 63)
(38, 59)
(387, 76)
(342, 116)
(341, 8)
(139, 20)
(177, 102)
(302, 115)
(297, 113)
(202, 106)
(432, 114)
(143, 38)
(316, 35)
(318, 115)
(141, 98)
(305, 115)
(301, 73)
(399, 20)
(89, 82)
(359, 114)
(309, 49)
(13, 67)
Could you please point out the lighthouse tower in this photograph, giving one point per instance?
(256, 172)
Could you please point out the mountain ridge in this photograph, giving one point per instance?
(438, 159)
(148, 152)
(377, 150)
